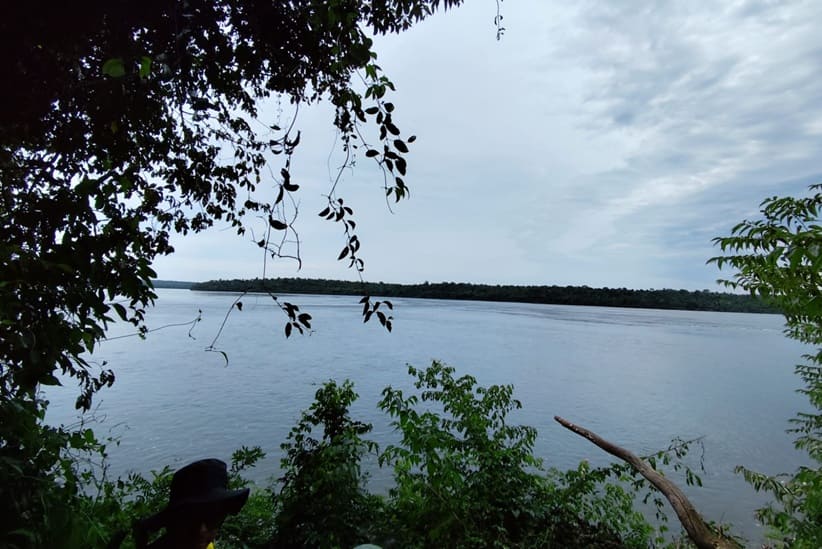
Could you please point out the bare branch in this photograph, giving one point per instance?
(698, 530)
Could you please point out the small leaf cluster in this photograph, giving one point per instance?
(393, 147)
(371, 308)
(296, 320)
(339, 212)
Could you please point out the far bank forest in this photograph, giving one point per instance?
(703, 300)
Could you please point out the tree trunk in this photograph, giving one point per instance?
(699, 532)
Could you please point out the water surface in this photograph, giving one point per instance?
(636, 377)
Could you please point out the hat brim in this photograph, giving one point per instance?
(228, 502)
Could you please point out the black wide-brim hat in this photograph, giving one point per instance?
(199, 490)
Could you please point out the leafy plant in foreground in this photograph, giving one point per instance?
(598, 497)
(779, 257)
(466, 477)
(45, 474)
(323, 501)
(461, 475)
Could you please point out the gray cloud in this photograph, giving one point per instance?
(598, 143)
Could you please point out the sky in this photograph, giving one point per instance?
(598, 143)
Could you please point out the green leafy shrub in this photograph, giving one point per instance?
(462, 476)
(323, 501)
(596, 505)
(253, 527)
(466, 477)
(44, 475)
(779, 257)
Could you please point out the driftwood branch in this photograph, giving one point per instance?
(699, 532)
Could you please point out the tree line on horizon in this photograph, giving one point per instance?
(702, 300)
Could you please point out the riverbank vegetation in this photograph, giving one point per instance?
(464, 475)
(779, 257)
(554, 295)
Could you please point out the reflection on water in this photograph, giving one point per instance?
(637, 377)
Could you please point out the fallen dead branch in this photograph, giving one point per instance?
(699, 532)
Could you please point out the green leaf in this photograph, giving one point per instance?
(145, 66)
(121, 311)
(114, 68)
(50, 380)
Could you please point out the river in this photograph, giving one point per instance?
(637, 377)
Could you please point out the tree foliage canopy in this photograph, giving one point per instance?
(122, 124)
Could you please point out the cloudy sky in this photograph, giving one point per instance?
(603, 143)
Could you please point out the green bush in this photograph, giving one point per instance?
(588, 509)
(44, 474)
(463, 477)
(323, 501)
(779, 257)
(466, 477)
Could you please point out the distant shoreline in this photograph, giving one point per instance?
(550, 295)
(174, 284)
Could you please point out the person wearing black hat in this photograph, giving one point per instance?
(200, 500)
